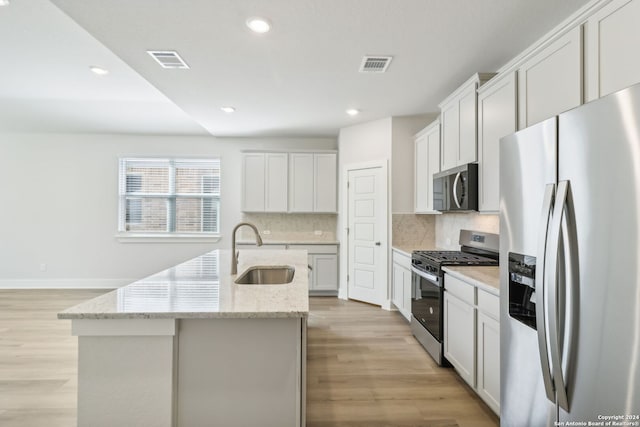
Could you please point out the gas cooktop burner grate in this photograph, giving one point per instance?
(453, 257)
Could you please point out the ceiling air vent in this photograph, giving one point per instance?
(168, 58)
(375, 64)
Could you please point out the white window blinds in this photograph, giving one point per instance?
(169, 195)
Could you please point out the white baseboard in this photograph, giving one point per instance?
(387, 305)
(64, 283)
(342, 293)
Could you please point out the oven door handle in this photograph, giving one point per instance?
(430, 277)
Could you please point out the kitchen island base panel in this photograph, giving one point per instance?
(125, 380)
(240, 372)
(231, 372)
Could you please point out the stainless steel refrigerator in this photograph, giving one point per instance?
(570, 267)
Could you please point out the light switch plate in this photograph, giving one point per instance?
(318, 232)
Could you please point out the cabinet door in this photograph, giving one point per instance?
(612, 37)
(301, 182)
(489, 361)
(467, 150)
(325, 272)
(496, 118)
(550, 82)
(253, 185)
(450, 135)
(276, 182)
(406, 292)
(460, 337)
(433, 154)
(421, 175)
(398, 287)
(325, 183)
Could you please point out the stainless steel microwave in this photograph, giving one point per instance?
(456, 189)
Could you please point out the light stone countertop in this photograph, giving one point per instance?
(406, 249)
(289, 242)
(486, 278)
(203, 288)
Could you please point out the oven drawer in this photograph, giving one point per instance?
(460, 289)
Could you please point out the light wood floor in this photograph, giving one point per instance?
(364, 368)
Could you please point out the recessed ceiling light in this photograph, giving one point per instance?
(228, 109)
(258, 25)
(4, 2)
(97, 70)
(353, 112)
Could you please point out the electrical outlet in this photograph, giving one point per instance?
(43, 267)
(266, 232)
(318, 232)
(448, 241)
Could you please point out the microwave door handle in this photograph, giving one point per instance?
(556, 245)
(455, 189)
(541, 324)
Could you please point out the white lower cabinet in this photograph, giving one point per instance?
(459, 337)
(472, 337)
(401, 283)
(324, 273)
(488, 375)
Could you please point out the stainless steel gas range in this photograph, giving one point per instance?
(427, 310)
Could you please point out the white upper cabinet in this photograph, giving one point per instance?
(497, 106)
(427, 162)
(313, 182)
(301, 182)
(550, 81)
(289, 182)
(458, 116)
(253, 188)
(276, 182)
(264, 184)
(325, 182)
(450, 135)
(612, 40)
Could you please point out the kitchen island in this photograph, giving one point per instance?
(188, 346)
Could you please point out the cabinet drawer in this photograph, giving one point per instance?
(460, 289)
(402, 260)
(489, 304)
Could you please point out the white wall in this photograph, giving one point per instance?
(60, 205)
(360, 143)
(403, 160)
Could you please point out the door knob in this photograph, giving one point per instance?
(377, 243)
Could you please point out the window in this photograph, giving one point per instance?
(175, 196)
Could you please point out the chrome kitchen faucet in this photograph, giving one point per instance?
(234, 254)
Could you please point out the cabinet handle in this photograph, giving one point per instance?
(309, 267)
(377, 243)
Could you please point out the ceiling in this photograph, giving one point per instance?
(296, 80)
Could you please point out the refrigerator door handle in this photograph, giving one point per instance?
(455, 189)
(552, 279)
(541, 324)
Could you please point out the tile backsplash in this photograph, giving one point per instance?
(416, 231)
(291, 227)
(448, 227)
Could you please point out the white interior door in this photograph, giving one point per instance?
(367, 238)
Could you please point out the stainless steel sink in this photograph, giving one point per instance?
(267, 275)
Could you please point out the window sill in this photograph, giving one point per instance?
(167, 238)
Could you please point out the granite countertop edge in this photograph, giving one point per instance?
(466, 273)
